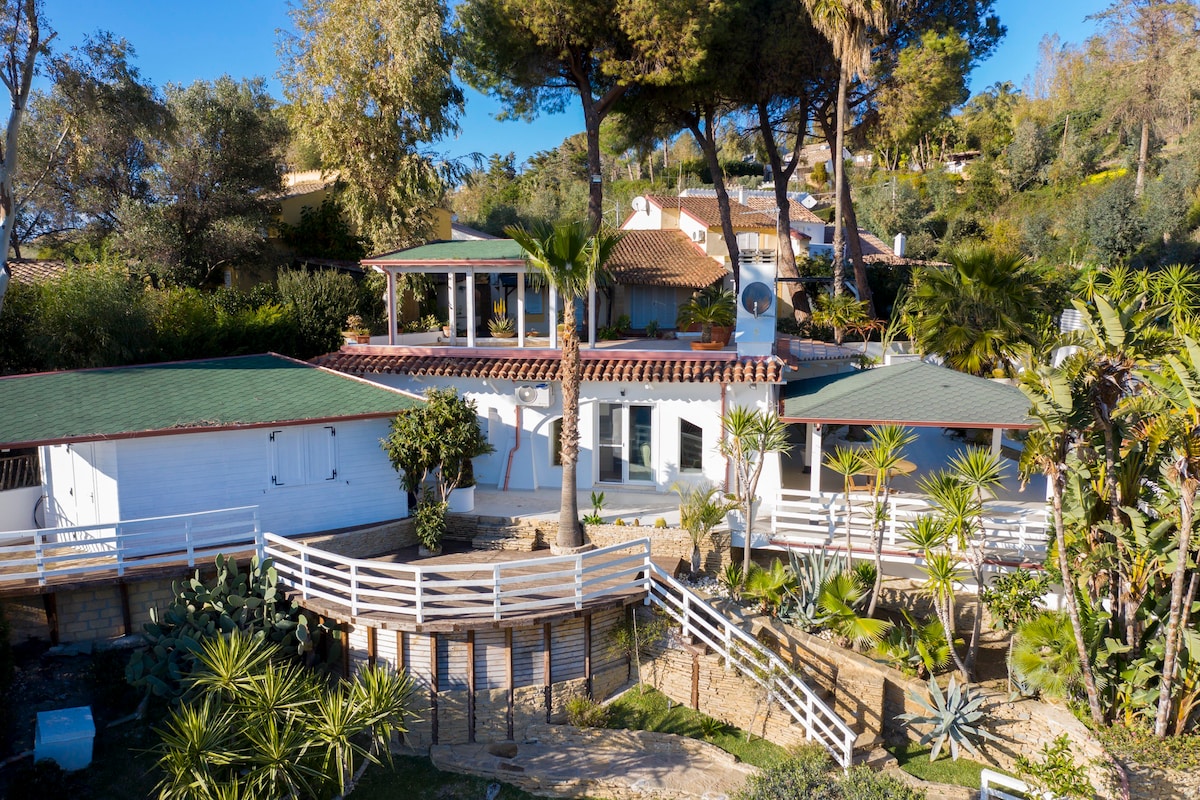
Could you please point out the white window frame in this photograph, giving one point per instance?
(302, 455)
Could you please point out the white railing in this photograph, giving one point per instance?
(425, 593)
(995, 786)
(1013, 534)
(756, 662)
(81, 550)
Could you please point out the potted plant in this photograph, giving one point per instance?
(709, 308)
(431, 446)
(462, 499)
(447, 331)
(701, 508)
(501, 325)
(356, 331)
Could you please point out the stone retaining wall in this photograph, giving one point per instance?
(667, 544)
(367, 542)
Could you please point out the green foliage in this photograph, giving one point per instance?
(635, 634)
(322, 232)
(731, 579)
(954, 718)
(320, 302)
(266, 728)
(247, 601)
(812, 572)
(584, 712)
(770, 586)
(1045, 657)
(1057, 771)
(1014, 597)
(1137, 744)
(430, 518)
(839, 601)
(708, 307)
(810, 774)
(702, 507)
(916, 648)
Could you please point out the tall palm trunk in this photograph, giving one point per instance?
(1064, 567)
(1187, 503)
(839, 178)
(569, 533)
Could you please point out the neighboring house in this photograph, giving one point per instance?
(650, 409)
(36, 270)
(465, 233)
(699, 218)
(654, 272)
(298, 442)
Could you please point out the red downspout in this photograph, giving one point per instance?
(516, 446)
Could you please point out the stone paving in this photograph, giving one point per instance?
(562, 761)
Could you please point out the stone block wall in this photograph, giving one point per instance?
(666, 544)
(367, 542)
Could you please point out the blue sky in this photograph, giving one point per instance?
(179, 42)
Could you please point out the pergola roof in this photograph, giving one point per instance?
(477, 251)
(913, 393)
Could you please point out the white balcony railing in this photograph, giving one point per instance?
(422, 593)
(81, 550)
(754, 661)
(1013, 534)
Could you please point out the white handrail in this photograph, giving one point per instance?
(424, 593)
(79, 550)
(754, 661)
(992, 785)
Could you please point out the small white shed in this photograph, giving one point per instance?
(299, 442)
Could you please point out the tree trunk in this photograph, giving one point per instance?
(703, 133)
(945, 612)
(877, 544)
(569, 533)
(1174, 631)
(1064, 567)
(595, 187)
(849, 230)
(839, 178)
(19, 77)
(977, 625)
(1139, 185)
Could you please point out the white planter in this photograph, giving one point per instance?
(461, 501)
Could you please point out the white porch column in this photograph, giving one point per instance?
(814, 448)
(591, 321)
(391, 306)
(997, 440)
(553, 316)
(452, 304)
(470, 308)
(520, 309)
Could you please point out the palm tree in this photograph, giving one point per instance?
(711, 306)
(749, 436)
(882, 459)
(978, 313)
(847, 462)
(845, 24)
(570, 258)
(701, 508)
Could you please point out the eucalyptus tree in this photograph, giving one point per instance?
(24, 36)
(569, 258)
(371, 85)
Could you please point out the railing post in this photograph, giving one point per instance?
(809, 712)
(418, 579)
(647, 566)
(39, 550)
(260, 544)
(304, 573)
(354, 589)
(687, 611)
(187, 537)
(579, 581)
(119, 548)
(495, 591)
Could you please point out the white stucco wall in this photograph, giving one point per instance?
(531, 468)
(203, 471)
(17, 508)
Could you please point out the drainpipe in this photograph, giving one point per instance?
(724, 410)
(513, 450)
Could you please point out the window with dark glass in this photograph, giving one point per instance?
(691, 447)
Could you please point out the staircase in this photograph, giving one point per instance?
(741, 651)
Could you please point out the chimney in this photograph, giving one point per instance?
(898, 245)
(742, 195)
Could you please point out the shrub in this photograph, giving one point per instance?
(431, 523)
(634, 634)
(805, 776)
(584, 712)
(234, 600)
(1057, 771)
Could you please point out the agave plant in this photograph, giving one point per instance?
(954, 717)
(812, 571)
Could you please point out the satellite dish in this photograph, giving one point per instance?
(639, 204)
(757, 298)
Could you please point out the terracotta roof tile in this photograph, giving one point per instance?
(708, 211)
(31, 270)
(662, 258)
(796, 210)
(660, 368)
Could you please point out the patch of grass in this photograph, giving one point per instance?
(647, 711)
(416, 778)
(914, 760)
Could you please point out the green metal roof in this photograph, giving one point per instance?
(182, 397)
(913, 393)
(468, 250)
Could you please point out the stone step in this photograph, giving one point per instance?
(874, 757)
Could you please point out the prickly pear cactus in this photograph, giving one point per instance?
(234, 599)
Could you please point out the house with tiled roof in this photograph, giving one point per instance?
(650, 408)
(293, 444)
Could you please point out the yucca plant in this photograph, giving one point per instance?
(955, 719)
(731, 579)
(701, 508)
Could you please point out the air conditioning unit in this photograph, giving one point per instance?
(698, 236)
(536, 395)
